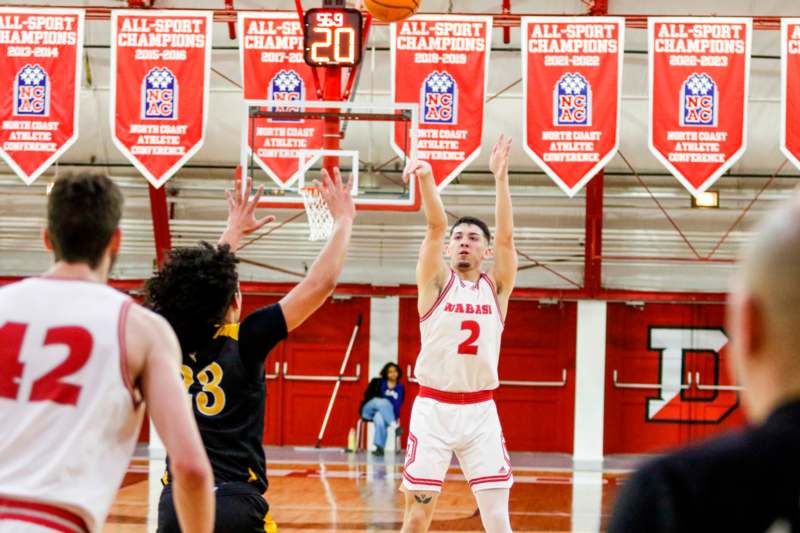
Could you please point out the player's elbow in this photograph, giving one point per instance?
(193, 473)
(328, 283)
(323, 286)
(436, 228)
(504, 242)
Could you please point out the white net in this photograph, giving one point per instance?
(320, 221)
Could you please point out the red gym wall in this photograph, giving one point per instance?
(639, 344)
(296, 407)
(538, 343)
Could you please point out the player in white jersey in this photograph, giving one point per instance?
(462, 310)
(77, 358)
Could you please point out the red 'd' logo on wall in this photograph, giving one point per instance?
(160, 63)
(667, 376)
(699, 78)
(273, 68)
(441, 62)
(40, 56)
(691, 373)
(790, 89)
(571, 74)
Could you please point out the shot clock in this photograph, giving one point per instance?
(332, 37)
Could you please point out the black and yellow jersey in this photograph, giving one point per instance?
(227, 385)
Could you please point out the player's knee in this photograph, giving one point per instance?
(496, 521)
(416, 520)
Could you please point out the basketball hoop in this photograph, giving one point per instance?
(320, 220)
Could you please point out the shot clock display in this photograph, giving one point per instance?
(332, 37)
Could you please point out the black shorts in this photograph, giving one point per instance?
(240, 509)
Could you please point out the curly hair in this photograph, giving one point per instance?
(193, 291)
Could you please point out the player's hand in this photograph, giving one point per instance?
(416, 167)
(337, 193)
(242, 213)
(498, 161)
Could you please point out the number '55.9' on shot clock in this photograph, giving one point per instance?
(332, 37)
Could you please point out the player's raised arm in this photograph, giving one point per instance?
(154, 356)
(505, 253)
(308, 295)
(241, 214)
(431, 268)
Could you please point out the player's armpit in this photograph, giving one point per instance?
(504, 271)
(431, 267)
(431, 274)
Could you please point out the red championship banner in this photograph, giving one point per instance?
(160, 64)
(273, 68)
(441, 62)
(572, 75)
(40, 61)
(699, 78)
(790, 90)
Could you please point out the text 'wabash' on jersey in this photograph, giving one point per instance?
(460, 337)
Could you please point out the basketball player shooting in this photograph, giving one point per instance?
(462, 310)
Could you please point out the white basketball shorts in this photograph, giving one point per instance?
(471, 430)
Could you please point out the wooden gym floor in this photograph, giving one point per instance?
(332, 491)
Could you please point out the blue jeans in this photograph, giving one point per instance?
(381, 412)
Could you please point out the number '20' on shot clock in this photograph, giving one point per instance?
(332, 37)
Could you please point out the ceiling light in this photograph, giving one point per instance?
(706, 199)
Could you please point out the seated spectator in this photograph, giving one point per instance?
(748, 480)
(382, 401)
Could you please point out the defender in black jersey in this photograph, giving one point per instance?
(197, 291)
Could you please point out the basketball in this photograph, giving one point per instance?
(391, 10)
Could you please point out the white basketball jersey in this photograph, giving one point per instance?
(460, 338)
(68, 423)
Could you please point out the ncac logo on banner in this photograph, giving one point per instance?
(32, 92)
(273, 68)
(441, 63)
(699, 101)
(570, 67)
(572, 97)
(286, 86)
(159, 94)
(699, 77)
(439, 99)
(160, 65)
(40, 56)
(790, 89)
